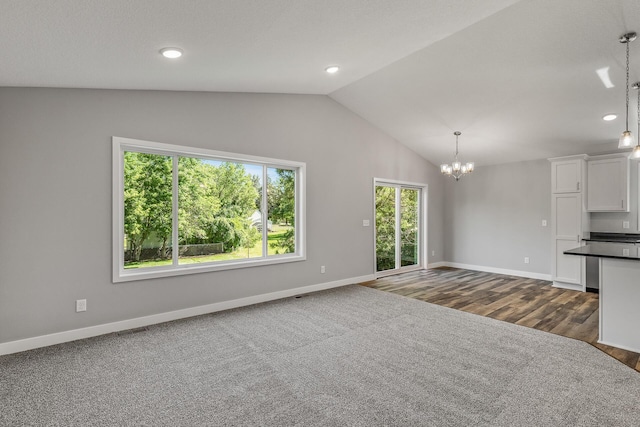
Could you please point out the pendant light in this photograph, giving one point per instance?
(635, 154)
(626, 139)
(456, 170)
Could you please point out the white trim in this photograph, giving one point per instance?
(422, 224)
(120, 274)
(424, 218)
(623, 347)
(92, 331)
(436, 264)
(570, 286)
(171, 149)
(170, 270)
(394, 183)
(574, 157)
(527, 274)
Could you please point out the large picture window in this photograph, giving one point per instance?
(181, 210)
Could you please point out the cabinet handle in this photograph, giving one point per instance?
(622, 203)
(578, 185)
(578, 238)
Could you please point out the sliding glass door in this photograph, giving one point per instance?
(398, 227)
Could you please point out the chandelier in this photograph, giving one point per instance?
(626, 139)
(456, 169)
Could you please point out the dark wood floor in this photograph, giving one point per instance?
(527, 302)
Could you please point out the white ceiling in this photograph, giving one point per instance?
(517, 77)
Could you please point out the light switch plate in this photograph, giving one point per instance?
(544, 222)
(625, 224)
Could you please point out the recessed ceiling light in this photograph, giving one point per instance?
(609, 117)
(332, 69)
(171, 52)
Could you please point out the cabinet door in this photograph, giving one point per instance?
(568, 267)
(566, 176)
(608, 189)
(567, 211)
(567, 234)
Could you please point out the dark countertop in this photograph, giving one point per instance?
(607, 250)
(595, 236)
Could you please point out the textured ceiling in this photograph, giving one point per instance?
(518, 78)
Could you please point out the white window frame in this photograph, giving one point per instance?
(422, 218)
(120, 145)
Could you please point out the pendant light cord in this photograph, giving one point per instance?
(627, 43)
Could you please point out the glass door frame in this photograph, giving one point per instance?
(422, 225)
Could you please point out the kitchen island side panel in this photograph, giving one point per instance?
(620, 303)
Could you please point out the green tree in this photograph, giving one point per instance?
(147, 199)
(281, 204)
(215, 202)
(198, 203)
(409, 221)
(281, 196)
(385, 228)
(235, 190)
(238, 195)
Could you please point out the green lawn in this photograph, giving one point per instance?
(242, 253)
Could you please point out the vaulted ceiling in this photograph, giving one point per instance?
(521, 79)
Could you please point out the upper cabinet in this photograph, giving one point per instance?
(608, 183)
(567, 174)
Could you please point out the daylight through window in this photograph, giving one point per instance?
(179, 210)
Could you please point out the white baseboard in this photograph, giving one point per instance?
(624, 347)
(518, 273)
(139, 322)
(437, 264)
(570, 286)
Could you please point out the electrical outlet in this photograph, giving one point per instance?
(544, 222)
(526, 260)
(322, 269)
(365, 222)
(81, 305)
(625, 224)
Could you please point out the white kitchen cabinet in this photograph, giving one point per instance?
(567, 174)
(569, 221)
(608, 183)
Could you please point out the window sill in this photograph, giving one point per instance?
(130, 275)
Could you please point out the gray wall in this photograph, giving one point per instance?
(612, 221)
(55, 193)
(494, 217)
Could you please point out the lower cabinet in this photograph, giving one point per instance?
(569, 217)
